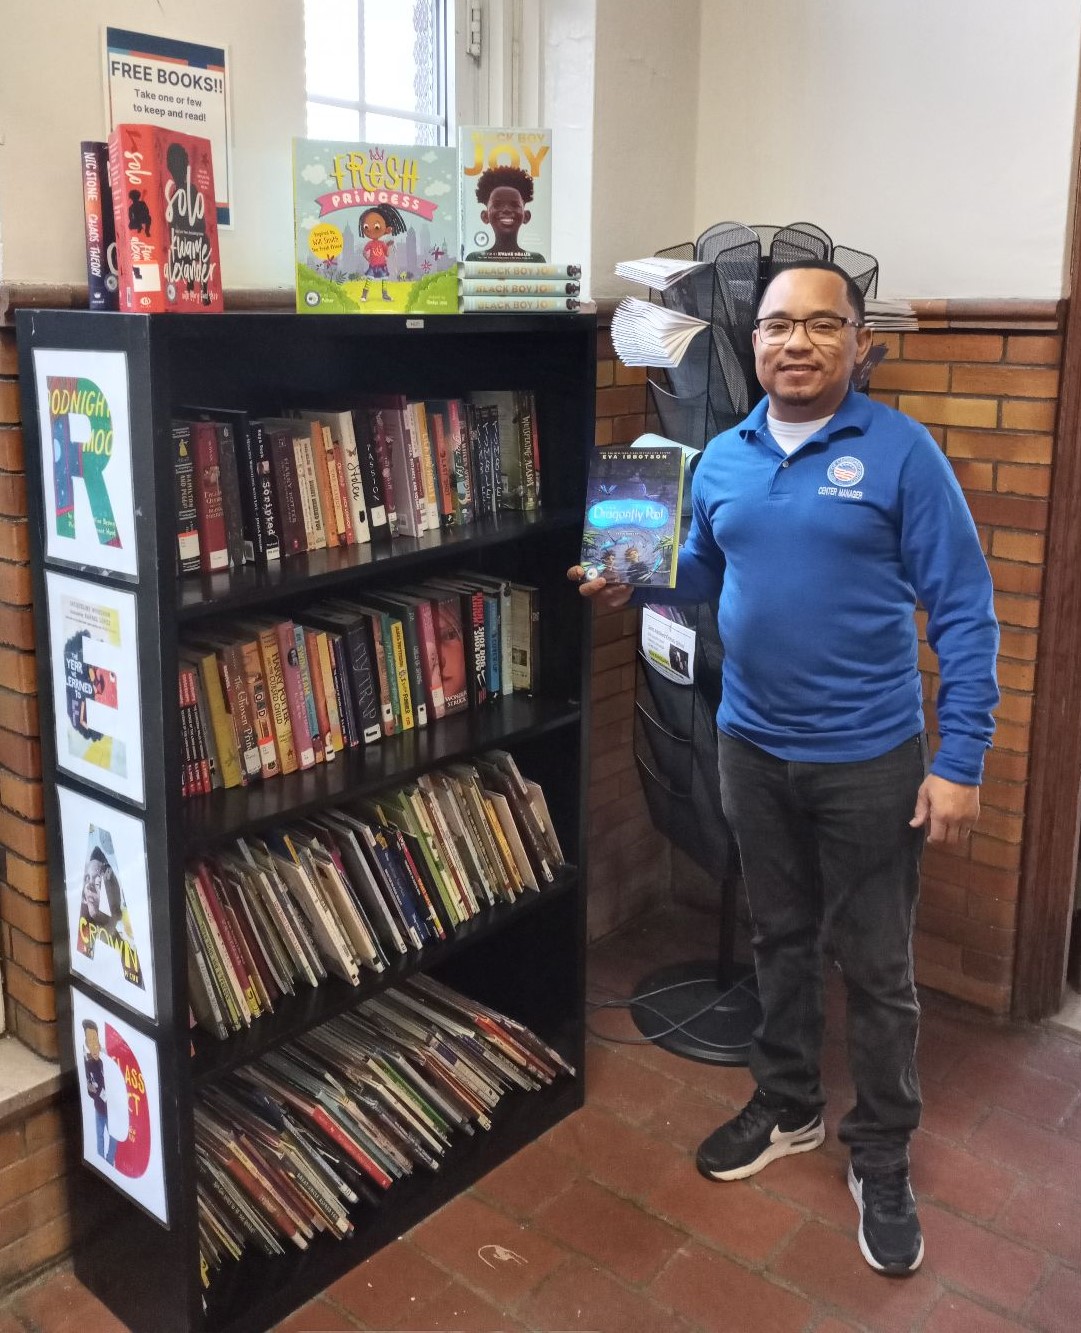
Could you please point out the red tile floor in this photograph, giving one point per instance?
(606, 1225)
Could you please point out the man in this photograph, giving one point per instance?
(821, 519)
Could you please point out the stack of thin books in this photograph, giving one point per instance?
(652, 335)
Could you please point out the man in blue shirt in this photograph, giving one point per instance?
(819, 521)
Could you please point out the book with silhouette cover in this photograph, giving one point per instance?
(633, 501)
(166, 220)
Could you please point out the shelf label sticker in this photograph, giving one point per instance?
(85, 430)
(107, 899)
(93, 651)
(120, 1103)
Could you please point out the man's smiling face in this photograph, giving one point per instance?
(806, 380)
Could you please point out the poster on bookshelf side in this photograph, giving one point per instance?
(93, 653)
(84, 425)
(505, 195)
(108, 901)
(376, 227)
(119, 1103)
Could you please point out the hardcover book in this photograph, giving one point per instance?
(166, 220)
(633, 502)
(101, 276)
(506, 195)
(376, 228)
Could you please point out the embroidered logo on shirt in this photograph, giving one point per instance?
(846, 471)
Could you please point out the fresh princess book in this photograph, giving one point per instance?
(376, 228)
(506, 195)
(633, 502)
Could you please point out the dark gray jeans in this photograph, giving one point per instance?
(829, 860)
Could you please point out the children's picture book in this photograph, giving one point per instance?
(376, 228)
(633, 501)
(506, 195)
(107, 896)
(166, 220)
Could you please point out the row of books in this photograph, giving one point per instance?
(269, 696)
(288, 1145)
(254, 489)
(345, 891)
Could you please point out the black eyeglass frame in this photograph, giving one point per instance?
(783, 319)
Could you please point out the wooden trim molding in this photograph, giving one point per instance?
(1053, 805)
(949, 312)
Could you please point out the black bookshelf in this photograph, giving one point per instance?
(526, 958)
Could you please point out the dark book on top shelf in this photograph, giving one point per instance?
(633, 502)
(103, 286)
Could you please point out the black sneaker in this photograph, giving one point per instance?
(890, 1236)
(763, 1131)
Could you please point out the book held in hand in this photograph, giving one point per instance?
(633, 501)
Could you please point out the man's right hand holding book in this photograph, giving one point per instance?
(605, 593)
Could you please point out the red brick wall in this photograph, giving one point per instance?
(989, 398)
(34, 1221)
(628, 859)
(25, 929)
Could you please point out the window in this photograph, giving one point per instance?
(377, 69)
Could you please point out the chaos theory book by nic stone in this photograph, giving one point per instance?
(376, 228)
(633, 501)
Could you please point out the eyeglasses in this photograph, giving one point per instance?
(774, 330)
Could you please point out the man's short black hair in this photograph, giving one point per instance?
(855, 296)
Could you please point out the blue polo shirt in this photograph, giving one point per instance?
(819, 558)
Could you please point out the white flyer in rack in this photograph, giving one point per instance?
(93, 650)
(668, 644)
(108, 899)
(85, 428)
(116, 1070)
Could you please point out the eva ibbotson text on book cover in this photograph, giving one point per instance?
(633, 502)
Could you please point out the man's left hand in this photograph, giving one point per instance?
(947, 809)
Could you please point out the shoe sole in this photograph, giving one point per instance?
(800, 1140)
(892, 1270)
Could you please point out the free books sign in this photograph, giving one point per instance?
(181, 85)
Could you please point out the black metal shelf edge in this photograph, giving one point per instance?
(261, 1290)
(320, 571)
(306, 1010)
(501, 724)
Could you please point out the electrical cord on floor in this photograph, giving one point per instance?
(682, 1026)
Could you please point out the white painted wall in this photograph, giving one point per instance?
(938, 134)
(568, 36)
(51, 97)
(646, 123)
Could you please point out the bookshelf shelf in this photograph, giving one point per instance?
(137, 1244)
(299, 1013)
(506, 723)
(322, 572)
